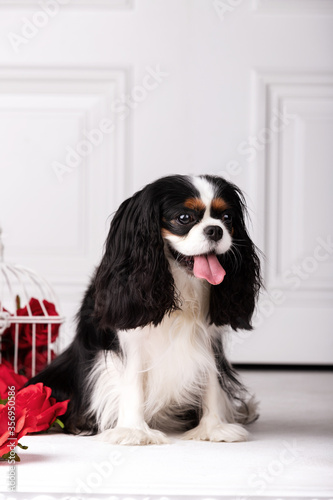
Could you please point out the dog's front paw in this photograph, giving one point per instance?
(228, 433)
(128, 436)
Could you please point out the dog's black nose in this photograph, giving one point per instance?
(214, 233)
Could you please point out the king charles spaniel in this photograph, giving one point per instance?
(179, 268)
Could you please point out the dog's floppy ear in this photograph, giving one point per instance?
(233, 301)
(133, 284)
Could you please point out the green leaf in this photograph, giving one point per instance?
(7, 457)
(3, 401)
(59, 422)
(22, 446)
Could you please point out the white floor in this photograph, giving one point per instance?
(290, 454)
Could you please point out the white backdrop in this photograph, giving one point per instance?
(100, 97)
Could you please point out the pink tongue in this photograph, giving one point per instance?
(208, 268)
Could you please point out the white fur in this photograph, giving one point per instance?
(170, 367)
(217, 411)
(206, 190)
(164, 369)
(196, 242)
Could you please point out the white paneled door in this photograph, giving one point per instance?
(100, 97)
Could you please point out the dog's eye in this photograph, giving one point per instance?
(185, 219)
(227, 218)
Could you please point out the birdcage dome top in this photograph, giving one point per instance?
(18, 286)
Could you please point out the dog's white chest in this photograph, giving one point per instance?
(177, 354)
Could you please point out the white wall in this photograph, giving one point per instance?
(204, 79)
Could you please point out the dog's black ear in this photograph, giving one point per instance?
(133, 284)
(233, 301)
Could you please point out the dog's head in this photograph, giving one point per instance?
(198, 222)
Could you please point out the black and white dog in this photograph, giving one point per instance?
(148, 353)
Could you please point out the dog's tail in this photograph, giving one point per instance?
(58, 376)
(65, 377)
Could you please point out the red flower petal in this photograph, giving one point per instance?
(25, 331)
(9, 378)
(20, 421)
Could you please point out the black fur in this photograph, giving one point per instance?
(233, 301)
(133, 287)
(67, 374)
(133, 284)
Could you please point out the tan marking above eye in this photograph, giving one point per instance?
(218, 204)
(166, 232)
(195, 204)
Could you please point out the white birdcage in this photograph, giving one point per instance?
(20, 288)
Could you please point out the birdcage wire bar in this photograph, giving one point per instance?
(18, 281)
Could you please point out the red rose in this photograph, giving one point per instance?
(25, 330)
(6, 430)
(41, 361)
(35, 411)
(7, 343)
(9, 378)
(6, 340)
(42, 409)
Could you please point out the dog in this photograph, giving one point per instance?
(179, 269)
